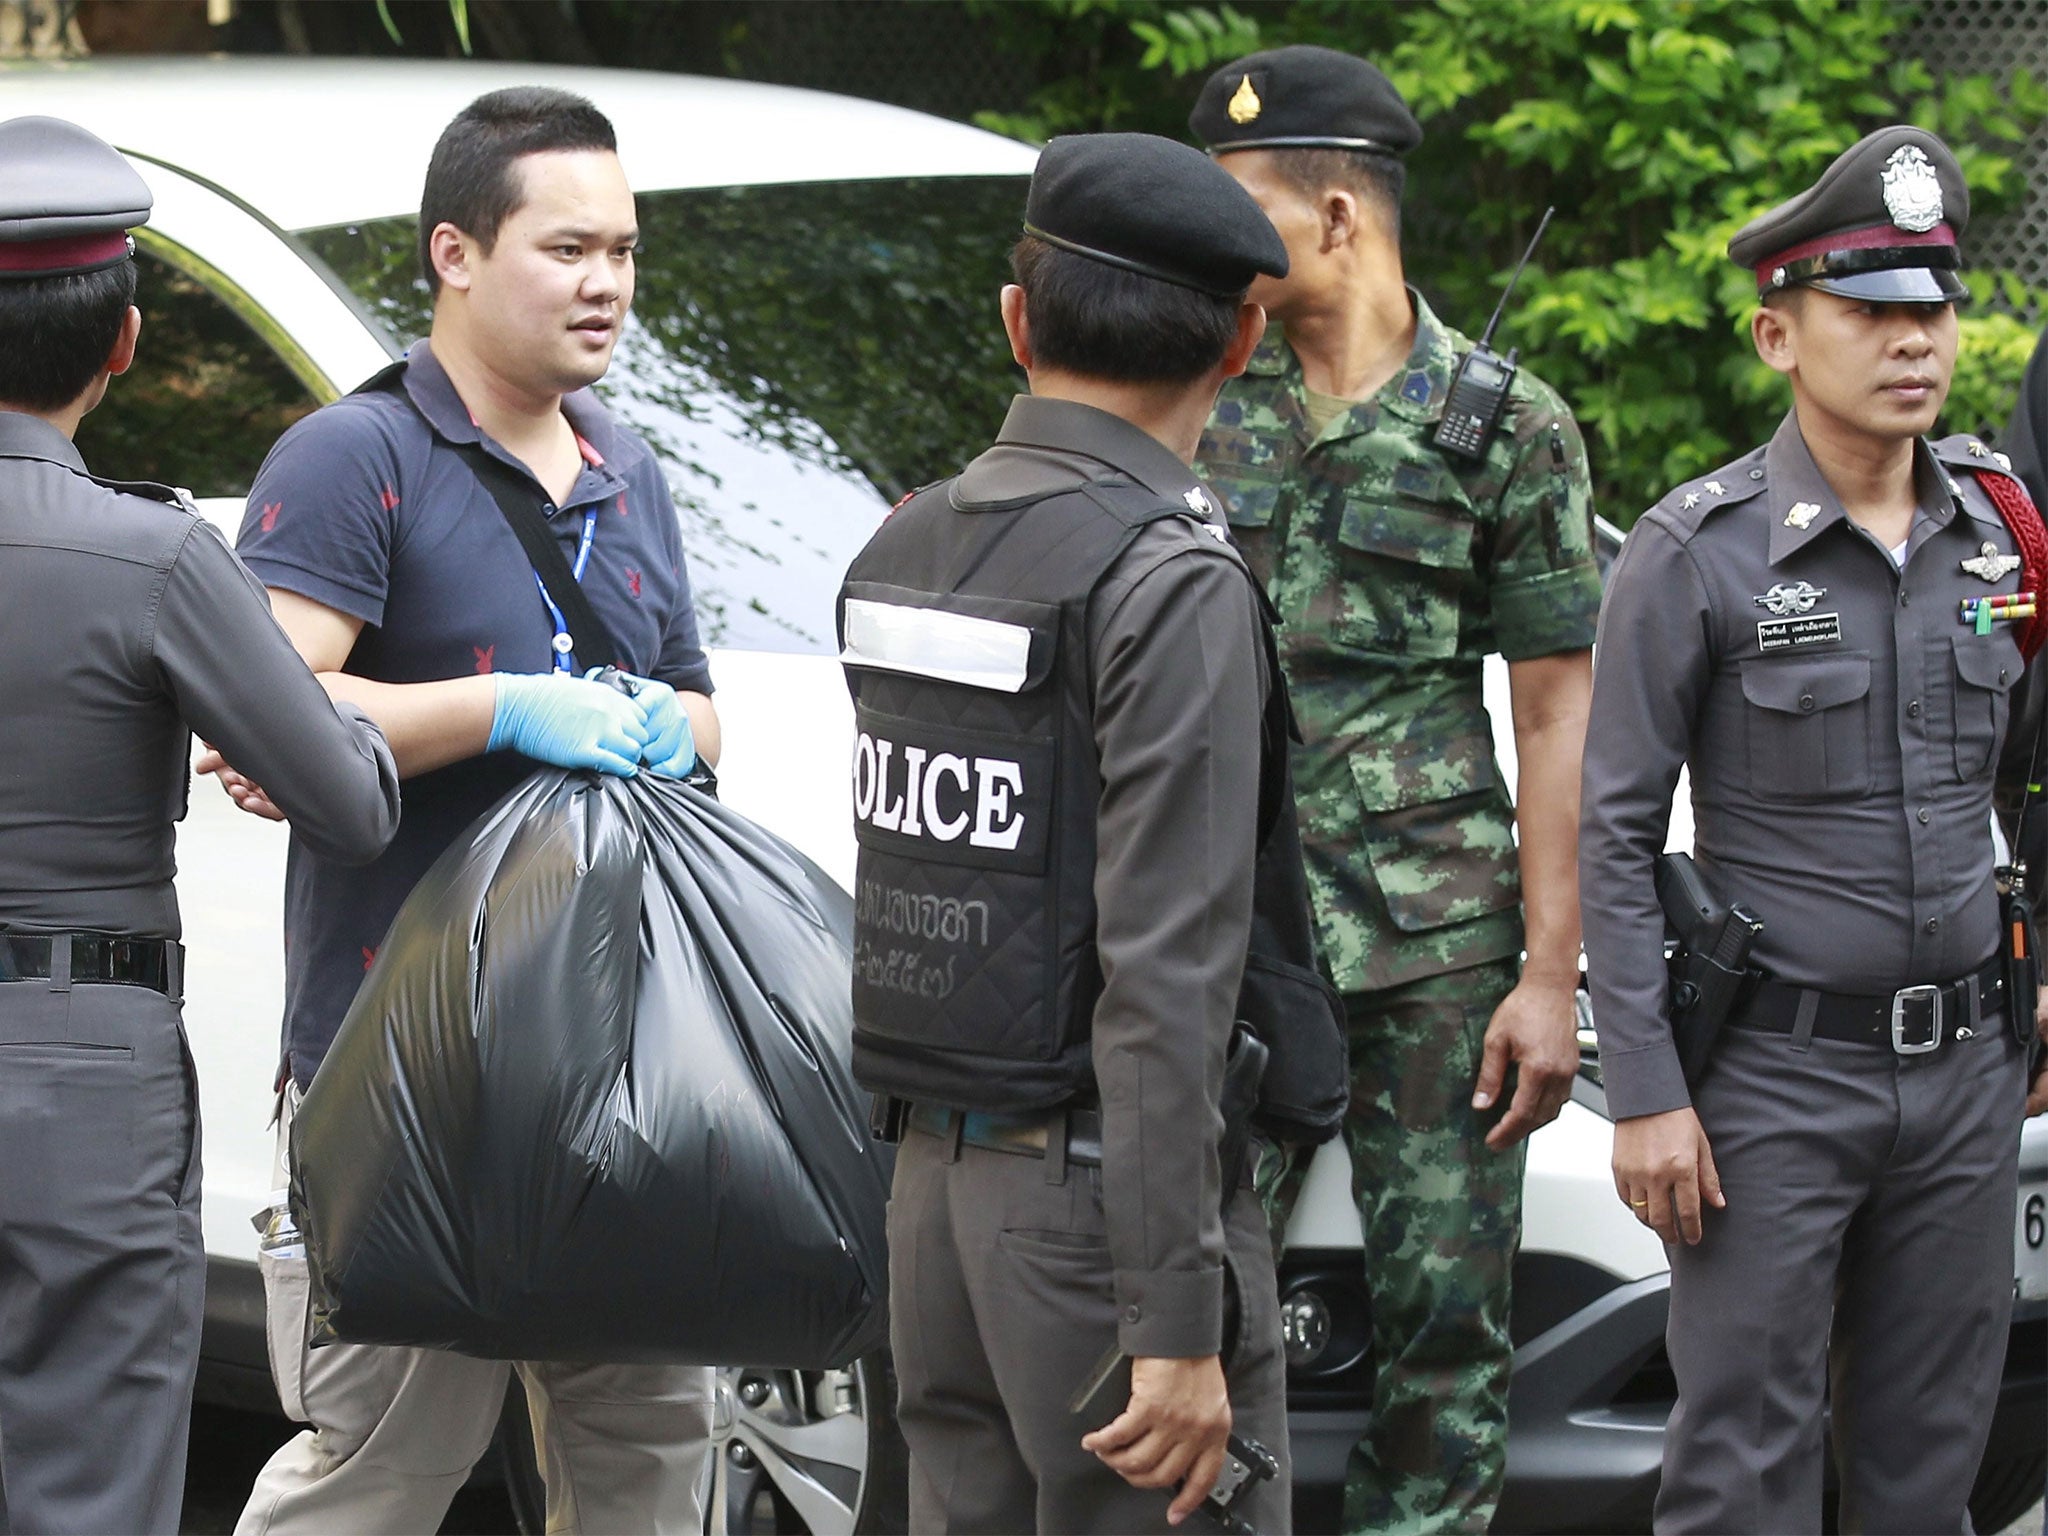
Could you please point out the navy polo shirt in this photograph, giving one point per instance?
(367, 507)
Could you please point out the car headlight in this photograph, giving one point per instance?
(1305, 1328)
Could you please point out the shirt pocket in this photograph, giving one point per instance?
(1402, 565)
(1809, 726)
(1987, 666)
(1444, 860)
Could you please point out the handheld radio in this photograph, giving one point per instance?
(1479, 389)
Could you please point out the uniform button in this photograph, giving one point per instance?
(1806, 701)
(2001, 674)
(1913, 710)
(1934, 925)
(1132, 1314)
(1756, 474)
(1925, 815)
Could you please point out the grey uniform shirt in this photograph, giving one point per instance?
(1180, 688)
(1842, 750)
(125, 624)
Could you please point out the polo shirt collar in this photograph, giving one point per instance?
(31, 437)
(1067, 426)
(1803, 505)
(430, 388)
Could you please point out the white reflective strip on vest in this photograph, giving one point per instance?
(929, 642)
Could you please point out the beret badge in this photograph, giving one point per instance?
(1245, 105)
(1912, 191)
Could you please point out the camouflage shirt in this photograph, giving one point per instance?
(1396, 570)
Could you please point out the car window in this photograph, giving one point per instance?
(801, 357)
(205, 400)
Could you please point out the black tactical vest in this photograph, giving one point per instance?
(975, 786)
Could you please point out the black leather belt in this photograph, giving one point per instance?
(1026, 1135)
(1911, 1021)
(158, 964)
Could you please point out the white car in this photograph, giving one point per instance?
(814, 335)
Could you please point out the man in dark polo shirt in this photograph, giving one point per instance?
(394, 571)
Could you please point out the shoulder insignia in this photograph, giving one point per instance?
(1716, 488)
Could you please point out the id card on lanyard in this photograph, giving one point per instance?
(563, 645)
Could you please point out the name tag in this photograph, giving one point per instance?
(1808, 629)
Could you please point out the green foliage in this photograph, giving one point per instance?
(1657, 127)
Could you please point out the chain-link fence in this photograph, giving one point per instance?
(1995, 37)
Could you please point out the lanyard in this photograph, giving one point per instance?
(563, 644)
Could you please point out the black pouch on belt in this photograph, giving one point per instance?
(2022, 975)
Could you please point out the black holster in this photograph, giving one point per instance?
(1244, 1068)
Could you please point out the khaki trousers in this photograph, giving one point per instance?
(394, 1432)
(1001, 1301)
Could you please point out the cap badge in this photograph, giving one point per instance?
(1912, 192)
(1989, 565)
(1802, 514)
(1785, 601)
(1245, 105)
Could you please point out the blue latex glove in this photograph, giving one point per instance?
(569, 721)
(671, 748)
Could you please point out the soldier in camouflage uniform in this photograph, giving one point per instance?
(1397, 568)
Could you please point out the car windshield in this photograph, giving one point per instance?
(800, 357)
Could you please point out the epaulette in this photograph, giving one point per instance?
(1689, 505)
(1967, 452)
(149, 490)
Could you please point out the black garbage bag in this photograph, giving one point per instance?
(593, 1101)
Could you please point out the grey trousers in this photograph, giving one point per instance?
(394, 1432)
(102, 1266)
(1000, 1303)
(1868, 1238)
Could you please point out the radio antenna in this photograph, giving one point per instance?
(1486, 341)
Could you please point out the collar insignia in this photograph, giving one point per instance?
(1989, 565)
(2003, 460)
(1912, 191)
(1802, 514)
(1245, 105)
(1196, 501)
(1785, 601)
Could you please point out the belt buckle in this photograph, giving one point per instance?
(1916, 1011)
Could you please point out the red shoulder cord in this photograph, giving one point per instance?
(2031, 538)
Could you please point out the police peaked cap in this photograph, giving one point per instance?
(1151, 206)
(67, 200)
(1881, 225)
(1303, 97)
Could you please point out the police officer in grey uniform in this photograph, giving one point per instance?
(1057, 665)
(125, 625)
(1806, 628)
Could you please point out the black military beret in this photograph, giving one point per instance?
(1150, 205)
(1303, 97)
(67, 200)
(1880, 224)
